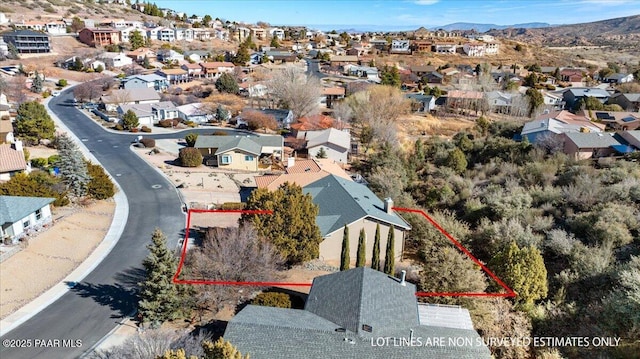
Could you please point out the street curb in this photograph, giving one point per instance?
(116, 229)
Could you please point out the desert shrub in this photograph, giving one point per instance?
(39, 162)
(145, 129)
(232, 206)
(168, 123)
(272, 299)
(100, 185)
(219, 133)
(53, 159)
(190, 157)
(191, 124)
(62, 83)
(118, 127)
(148, 142)
(191, 138)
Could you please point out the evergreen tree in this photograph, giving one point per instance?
(100, 185)
(73, 168)
(36, 84)
(322, 153)
(456, 160)
(274, 42)
(221, 349)
(535, 100)
(222, 114)
(361, 259)
(145, 62)
(136, 40)
(159, 296)
(130, 120)
(389, 258)
(226, 83)
(242, 56)
(344, 254)
(375, 258)
(77, 64)
(33, 123)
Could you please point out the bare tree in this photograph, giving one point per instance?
(87, 91)
(296, 91)
(16, 89)
(259, 120)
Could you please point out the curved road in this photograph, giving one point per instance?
(93, 307)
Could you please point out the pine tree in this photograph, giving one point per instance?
(375, 258)
(159, 296)
(322, 153)
(36, 84)
(136, 40)
(145, 62)
(389, 258)
(33, 123)
(361, 259)
(344, 255)
(73, 168)
(130, 120)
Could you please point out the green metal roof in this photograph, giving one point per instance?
(14, 208)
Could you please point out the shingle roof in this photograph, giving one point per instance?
(592, 140)
(589, 92)
(342, 202)
(141, 94)
(251, 144)
(339, 308)
(11, 160)
(330, 135)
(5, 125)
(14, 208)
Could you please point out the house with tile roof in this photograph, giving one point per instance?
(344, 202)
(302, 172)
(19, 215)
(12, 161)
(359, 313)
(245, 153)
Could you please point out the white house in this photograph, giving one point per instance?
(115, 59)
(201, 34)
(125, 33)
(20, 215)
(277, 33)
(166, 34)
(169, 56)
(491, 48)
(336, 143)
(474, 49)
(151, 113)
(445, 48)
(400, 47)
(183, 34)
(196, 112)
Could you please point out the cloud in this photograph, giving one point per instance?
(425, 2)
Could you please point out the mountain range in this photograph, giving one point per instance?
(486, 27)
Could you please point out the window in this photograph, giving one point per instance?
(225, 160)
(39, 214)
(26, 224)
(248, 158)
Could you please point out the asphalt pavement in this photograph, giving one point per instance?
(71, 325)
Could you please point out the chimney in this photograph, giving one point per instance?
(18, 146)
(291, 161)
(388, 205)
(403, 276)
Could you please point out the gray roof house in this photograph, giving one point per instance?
(336, 143)
(573, 95)
(587, 145)
(129, 97)
(421, 102)
(19, 215)
(359, 313)
(628, 101)
(239, 152)
(343, 202)
(153, 81)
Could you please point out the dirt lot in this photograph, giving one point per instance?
(53, 254)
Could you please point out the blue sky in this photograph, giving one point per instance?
(407, 13)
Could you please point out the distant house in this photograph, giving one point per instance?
(422, 70)
(400, 47)
(628, 101)
(126, 32)
(276, 33)
(28, 42)
(115, 59)
(19, 215)
(433, 77)
(574, 95)
(239, 152)
(174, 76)
(344, 202)
(589, 145)
(421, 102)
(196, 55)
(6, 128)
(129, 97)
(169, 56)
(474, 49)
(183, 34)
(12, 160)
(632, 138)
(369, 72)
(421, 46)
(139, 54)
(153, 81)
(571, 75)
(52, 27)
(618, 78)
(445, 48)
(336, 144)
(150, 114)
(99, 36)
(501, 102)
(617, 121)
(196, 112)
(468, 100)
(215, 69)
(341, 60)
(332, 94)
(302, 172)
(193, 70)
(553, 101)
(491, 48)
(557, 123)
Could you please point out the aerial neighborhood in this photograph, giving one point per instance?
(246, 189)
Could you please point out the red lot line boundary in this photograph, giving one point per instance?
(509, 293)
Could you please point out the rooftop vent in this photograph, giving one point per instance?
(403, 278)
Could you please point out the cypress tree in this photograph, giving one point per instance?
(344, 255)
(362, 240)
(159, 296)
(389, 259)
(375, 258)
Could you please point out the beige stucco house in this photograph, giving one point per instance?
(239, 152)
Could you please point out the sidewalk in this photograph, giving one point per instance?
(113, 235)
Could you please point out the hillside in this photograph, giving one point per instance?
(621, 32)
(486, 27)
(18, 10)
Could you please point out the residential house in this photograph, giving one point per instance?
(421, 102)
(183, 34)
(12, 160)
(168, 56)
(125, 33)
(501, 102)
(139, 54)
(195, 112)
(302, 172)
(115, 59)
(400, 47)
(129, 97)
(571, 75)
(283, 117)
(589, 145)
(215, 69)
(174, 76)
(379, 44)
(241, 33)
(632, 138)
(51, 27)
(201, 34)
(474, 49)
(421, 70)
(28, 42)
(628, 101)
(347, 313)
(153, 81)
(99, 36)
(343, 60)
(491, 48)
(253, 90)
(335, 143)
(445, 48)
(239, 152)
(166, 34)
(331, 95)
(617, 121)
(277, 33)
(150, 114)
(555, 123)
(152, 33)
(256, 58)
(196, 55)
(574, 95)
(618, 78)
(369, 72)
(343, 202)
(193, 70)
(553, 101)
(258, 33)
(433, 77)
(280, 56)
(421, 46)
(6, 127)
(468, 100)
(20, 215)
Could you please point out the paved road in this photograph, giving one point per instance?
(94, 306)
(313, 68)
